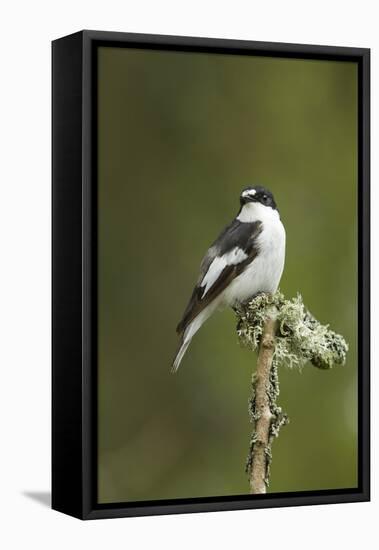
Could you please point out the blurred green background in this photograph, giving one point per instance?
(180, 134)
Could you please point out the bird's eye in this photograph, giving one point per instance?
(265, 198)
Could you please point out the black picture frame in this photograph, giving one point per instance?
(74, 308)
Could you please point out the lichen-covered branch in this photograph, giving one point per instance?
(260, 409)
(286, 334)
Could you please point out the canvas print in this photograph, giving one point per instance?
(227, 287)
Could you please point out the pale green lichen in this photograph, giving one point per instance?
(300, 339)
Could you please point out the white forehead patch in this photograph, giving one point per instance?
(249, 193)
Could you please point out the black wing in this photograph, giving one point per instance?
(237, 235)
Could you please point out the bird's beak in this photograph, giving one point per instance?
(248, 198)
(248, 195)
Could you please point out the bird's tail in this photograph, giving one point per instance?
(180, 354)
(186, 337)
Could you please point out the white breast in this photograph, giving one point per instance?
(265, 271)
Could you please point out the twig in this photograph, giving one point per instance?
(263, 417)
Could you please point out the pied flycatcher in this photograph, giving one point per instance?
(246, 259)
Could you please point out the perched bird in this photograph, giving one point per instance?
(246, 259)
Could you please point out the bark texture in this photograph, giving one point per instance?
(260, 449)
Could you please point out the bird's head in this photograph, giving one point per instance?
(258, 194)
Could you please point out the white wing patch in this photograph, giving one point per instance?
(234, 257)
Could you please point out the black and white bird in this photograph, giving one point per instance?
(246, 259)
